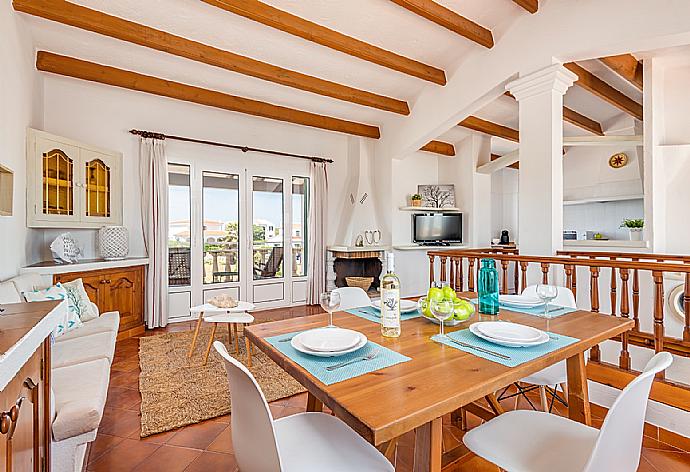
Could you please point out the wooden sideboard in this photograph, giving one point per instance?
(25, 423)
(111, 285)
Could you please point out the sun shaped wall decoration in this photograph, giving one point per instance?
(618, 160)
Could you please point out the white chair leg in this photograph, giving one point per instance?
(544, 401)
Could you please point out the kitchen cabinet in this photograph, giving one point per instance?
(71, 184)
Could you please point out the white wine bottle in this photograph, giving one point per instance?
(390, 300)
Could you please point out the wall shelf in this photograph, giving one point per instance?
(603, 199)
(431, 209)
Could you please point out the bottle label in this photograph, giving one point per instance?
(390, 308)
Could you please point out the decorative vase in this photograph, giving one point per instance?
(488, 288)
(113, 242)
(416, 203)
(635, 234)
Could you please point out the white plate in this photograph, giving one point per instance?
(329, 339)
(511, 332)
(476, 332)
(295, 342)
(406, 306)
(520, 301)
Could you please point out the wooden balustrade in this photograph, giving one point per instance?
(624, 296)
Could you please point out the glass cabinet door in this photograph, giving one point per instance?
(97, 180)
(56, 181)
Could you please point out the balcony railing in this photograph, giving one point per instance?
(626, 272)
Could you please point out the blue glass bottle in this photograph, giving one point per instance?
(488, 288)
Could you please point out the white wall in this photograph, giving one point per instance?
(102, 115)
(504, 203)
(20, 107)
(604, 217)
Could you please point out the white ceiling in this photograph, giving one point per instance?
(379, 22)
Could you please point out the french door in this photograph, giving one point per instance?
(237, 226)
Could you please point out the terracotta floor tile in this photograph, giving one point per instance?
(168, 459)
(213, 462)
(102, 444)
(667, 461)
(223, 442)
(123, 457)
(125, 379)
(119, 422)
(197, 436)
(123, 398)
(160, 438)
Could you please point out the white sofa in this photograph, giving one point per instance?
(80, 362)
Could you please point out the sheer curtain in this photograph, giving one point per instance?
(153, 178)
(318, 218)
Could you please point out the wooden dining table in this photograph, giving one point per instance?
(439, 379)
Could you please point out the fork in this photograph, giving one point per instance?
(368, 357)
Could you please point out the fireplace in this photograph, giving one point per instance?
(354, 263)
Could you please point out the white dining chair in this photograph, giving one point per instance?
(303, 442)
(555, 375)
(352, 297)
(524, 440)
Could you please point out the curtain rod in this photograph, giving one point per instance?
(151, 134)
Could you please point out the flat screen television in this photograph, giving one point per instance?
(436, 228)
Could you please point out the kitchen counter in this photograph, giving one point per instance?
(605, 243)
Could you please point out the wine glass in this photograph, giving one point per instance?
(546, 293)
(442, 311)
(330, 302)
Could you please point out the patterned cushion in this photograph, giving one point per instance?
(79, 300)
(56, 292)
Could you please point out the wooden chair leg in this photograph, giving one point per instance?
(248, 347)
(388, 449)
(542, 395)
(237, 343)
(210, 342)
(196, 334)
(494, 404)
(564, 387)
(229, 335)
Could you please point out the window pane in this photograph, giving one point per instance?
(267, 227)
(221, 227)
(179, 225)
(300, 213)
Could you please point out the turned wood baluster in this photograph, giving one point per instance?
(594, 353)
(477, 267)
(686, 308)
(515, 279)
(624, 359)
(658, 314)
(545, 272)
(432, 278)
(523, 276)
(443, 269)
(574, 287)
(460, 273)
(568, 276)
(614, 297)
(504, 277)
(452, 273)
(636, 298)
(470, 274)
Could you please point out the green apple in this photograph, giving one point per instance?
(462, 309)
(448, 293)
(434, 293)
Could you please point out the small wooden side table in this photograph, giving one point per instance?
(230, 316)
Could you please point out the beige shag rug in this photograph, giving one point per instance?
(177, 391)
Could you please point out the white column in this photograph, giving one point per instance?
(540, 97)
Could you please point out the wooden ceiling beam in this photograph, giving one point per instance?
(514, 165)
(72, 67)
(577, 119)
(118, 28)
(439, 147)
(627, 67)
(448, 19)
(493, 129)
(289, 23)
(530, 5)
(601, 89)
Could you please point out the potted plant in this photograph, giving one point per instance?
(634, 227)
(416, 200)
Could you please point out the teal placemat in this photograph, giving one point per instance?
(316, 366)
(372, 314)
(554, 310)
(518, 355)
